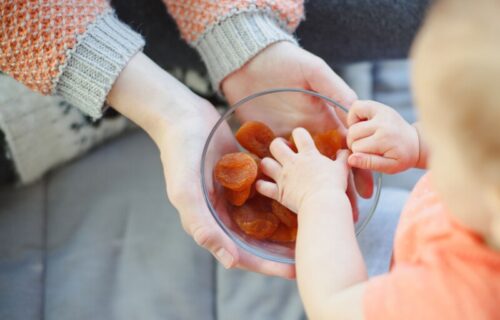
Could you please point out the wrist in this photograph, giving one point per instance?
(324, 199)
(421, 161)
(150, 97)
(248, 33)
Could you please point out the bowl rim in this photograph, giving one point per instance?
(255, 251)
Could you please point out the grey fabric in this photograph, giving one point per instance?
(117, 250)
(109, 246)
(115, 247)
(22, 221)
(250, 296)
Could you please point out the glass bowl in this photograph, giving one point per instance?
(286, 109)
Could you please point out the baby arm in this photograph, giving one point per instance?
(382, 140)
(328, 260)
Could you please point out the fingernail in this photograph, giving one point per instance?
(224, 258)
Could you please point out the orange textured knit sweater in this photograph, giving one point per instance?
(77, 48)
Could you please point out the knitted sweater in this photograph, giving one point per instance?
(77, 48)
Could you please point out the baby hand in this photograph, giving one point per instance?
(301, 175)
(380, 139)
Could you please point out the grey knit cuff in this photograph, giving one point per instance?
(231, 43)
(92, 67)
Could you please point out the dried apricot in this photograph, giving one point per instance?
(329, 142)
(237, 198)
(284, 234)
(256, 219)
(236, 171)
(285, 215)
(255, 137)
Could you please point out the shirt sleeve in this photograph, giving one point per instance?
(419, 292)
(228, 33)
(75, 49)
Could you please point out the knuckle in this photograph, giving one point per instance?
(384, 131)
(180, 196)
(185, 226)
(368, 162)
(203, 235)
(318, 66)
(355, 147)
(384, 139)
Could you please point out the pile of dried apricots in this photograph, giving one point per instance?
(256, 215)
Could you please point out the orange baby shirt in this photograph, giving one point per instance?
(441, 270)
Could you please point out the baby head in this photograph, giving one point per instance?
(456, 78)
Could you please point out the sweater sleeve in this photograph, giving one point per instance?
(228, 33)
(71, 48)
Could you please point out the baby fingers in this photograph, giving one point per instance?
(360, 131)
(268, 189)
(373, 162)
(361, 111)
(372, 144)
(271, 168)
(303, 140)
(281, 151)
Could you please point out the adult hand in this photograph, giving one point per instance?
(179, 122)
(285, 65)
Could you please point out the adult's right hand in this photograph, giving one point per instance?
(179, 122)
(285, 65)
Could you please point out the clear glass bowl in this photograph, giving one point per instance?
(289, 108)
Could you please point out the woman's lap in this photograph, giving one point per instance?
(97, 239)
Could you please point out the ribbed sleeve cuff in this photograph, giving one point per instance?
(231, 43)
(92, 67)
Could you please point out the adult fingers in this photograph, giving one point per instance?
(250, 262)
(198, 222)
(322, 79)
